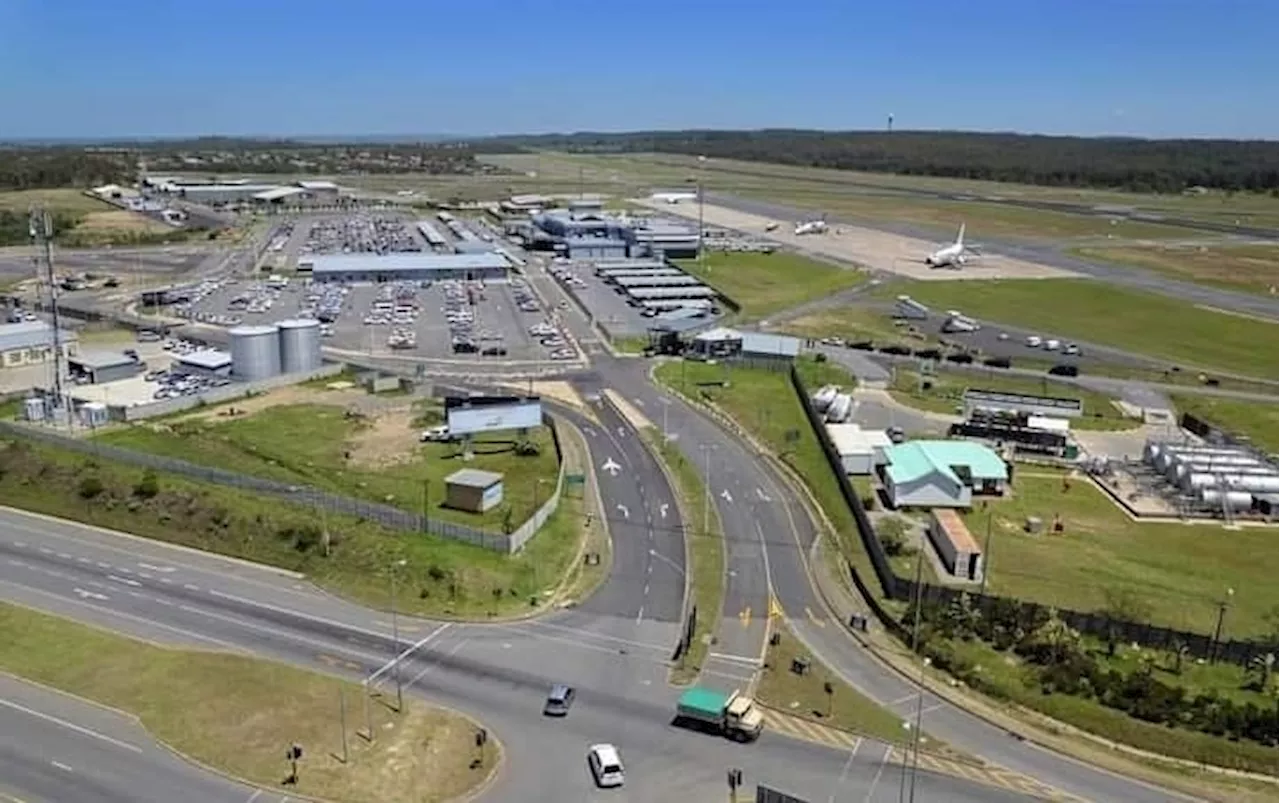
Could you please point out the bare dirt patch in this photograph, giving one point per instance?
(121, 220)
(878, 250)
(386, 440)
(280, 397)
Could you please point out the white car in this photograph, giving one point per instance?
(606, 765)
(1072, 349)
(1033, 341)
(435, 434)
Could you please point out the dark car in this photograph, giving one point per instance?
(558, 701)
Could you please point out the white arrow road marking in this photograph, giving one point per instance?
(728, 497)
(611, 467)
(626, 514)
(90, 594)
(622, 432)
(662, 510)
(124, 580)
(640, 402)
(591, 433)
(764, 497)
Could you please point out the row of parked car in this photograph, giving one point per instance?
(177, 385)
(362, 234)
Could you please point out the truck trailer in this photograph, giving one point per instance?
(733, 715)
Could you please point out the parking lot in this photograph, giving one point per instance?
(605, 302)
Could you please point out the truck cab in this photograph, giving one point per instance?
(742, 716)
(734, 715)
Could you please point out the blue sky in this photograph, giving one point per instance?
(105, 68)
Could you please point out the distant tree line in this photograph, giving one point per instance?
(58, 167)
(1139, 165)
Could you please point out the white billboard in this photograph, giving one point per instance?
(492, 414)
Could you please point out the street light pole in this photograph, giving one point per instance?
(915, 650)
(986, 556)
(395, 637)
(1223, 604)
(706, 484)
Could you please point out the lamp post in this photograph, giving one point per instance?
(706, 484)
(1223, 604)
(395, 636)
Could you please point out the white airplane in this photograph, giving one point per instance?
(953, 255)
(812, 227)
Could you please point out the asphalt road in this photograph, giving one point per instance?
(1133, 278)
(55, 748)
(497, 673)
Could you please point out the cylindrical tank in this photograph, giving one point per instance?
(1254, 483)
(1235, 501)
(299, 345)
(839, 409)
(1209, 465)
(1173, 452)
(1181, 470)
(1150, 451)
(255, 352)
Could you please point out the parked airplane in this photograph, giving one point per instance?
(953, 255)
(812, 227)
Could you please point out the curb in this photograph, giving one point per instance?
(557, 598)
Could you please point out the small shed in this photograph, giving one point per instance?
(861, 450)
(473, 490)
(206, 362)
(955, 545)
(108, 366)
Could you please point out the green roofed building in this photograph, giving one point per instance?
(942, 473)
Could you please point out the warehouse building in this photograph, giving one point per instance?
(414, 267)
(108, 366)
(210, 363)
(861, 450)
(723, 343)
(31, 343)
(993, 401)
(591, 234)
(926, 474)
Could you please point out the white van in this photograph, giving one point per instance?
(1051, 345)
(1033, 341)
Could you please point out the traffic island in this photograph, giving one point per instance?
(243, 717)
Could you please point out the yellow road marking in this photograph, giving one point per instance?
(745, 616)
(775, 609)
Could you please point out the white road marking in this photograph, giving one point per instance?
(102, 565)
(83, 560)
(626, 514)
(611, 466)
(879, 770)
(22, 544)
(254, 796)
(426, 669)
(728, 497)
(640, 615)
(419, 644)
(844, 773)
(662, 510)
(70, 726)
(64, 556)
(734, 658)
(90, 594)
(764, 497)
(61, 766)
(124, 580)
(190, 587)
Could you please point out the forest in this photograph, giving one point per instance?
(1137, 165)
(62, 167)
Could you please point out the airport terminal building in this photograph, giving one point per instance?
(412, 267)
(594, 235)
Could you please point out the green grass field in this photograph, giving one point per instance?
(1248, 268)
(378, 459)
(767, 283)
(946, 390)
(1179, 570)
(1258, 421)
(705, 552)
(1093, 312)
(440, 578)
(237, 714)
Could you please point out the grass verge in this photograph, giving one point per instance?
(1247, 268)
(705, 551)
(945, 391)
(377, 458)
(237, 714)
(805, 696)
(763, 284)
(440, 578)
(1178, 571)
(1093, 312)
(1257, 421)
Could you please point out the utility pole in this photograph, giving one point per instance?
(706, 485)
(41, 230)
(395, 637)
(908, 750)
(986, 555)
(1223, 604)
(342, 716)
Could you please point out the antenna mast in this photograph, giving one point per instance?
(42, 237)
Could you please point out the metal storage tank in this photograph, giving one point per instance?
(1235, 501)
(1150, 451)
(1205, 465)
(1171, 453)
(1254, 484)
(255, 352)
(299, 345)
(1176, 473)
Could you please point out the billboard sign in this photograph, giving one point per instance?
(476, 414)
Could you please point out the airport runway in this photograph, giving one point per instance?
(1133, 278)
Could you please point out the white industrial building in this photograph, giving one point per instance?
(31, 343)
(206, 362)
(861, 450)
(416, 267)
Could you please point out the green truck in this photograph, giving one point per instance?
(733, 715)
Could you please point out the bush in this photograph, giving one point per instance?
(91, 487)
(147, 487)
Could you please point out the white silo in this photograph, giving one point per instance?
(255, 352)
(299, 345)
